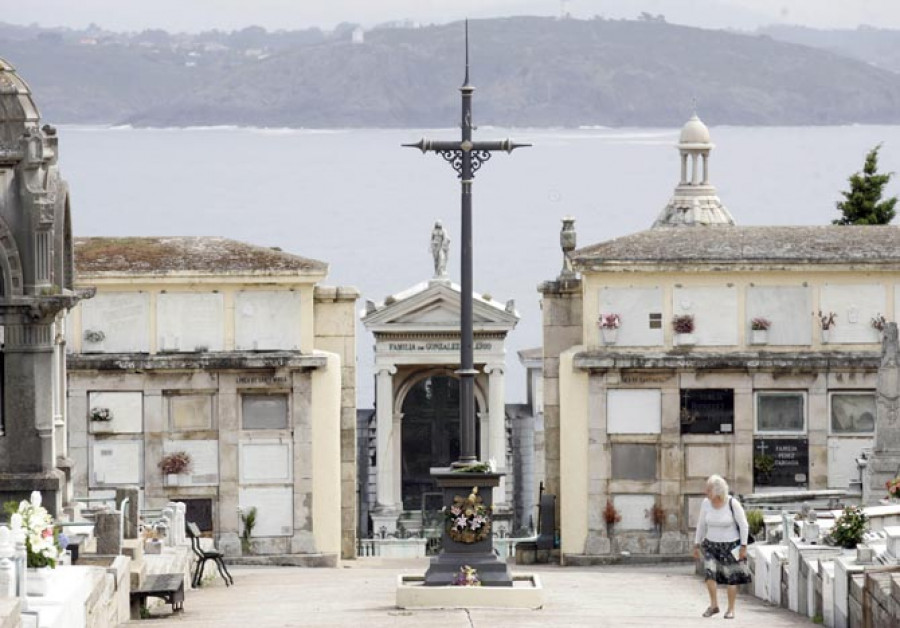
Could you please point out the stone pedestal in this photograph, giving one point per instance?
(384, 521)
(131, 512)
(108, 530)
(480, 555)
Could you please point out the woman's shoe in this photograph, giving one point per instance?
(712, 610)
(729, 615)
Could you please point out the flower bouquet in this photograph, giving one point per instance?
(467, 577)
(893, 488)
(609, 327)
(468, 519)
(42, 542)
(101, 414)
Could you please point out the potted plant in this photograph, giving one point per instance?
(763, 464)
(42, 541)
(878, 324)
(174, 464)
(756, 522)
(893, 489)
(248, 518)
(657, 515)
(759, 330)
(609, 328)
(849, 527)
(101, 420)
(683, 325)
(611, 516)
(826, 322)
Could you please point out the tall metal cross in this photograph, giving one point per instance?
(466, 157)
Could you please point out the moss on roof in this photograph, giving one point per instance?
(185, 254)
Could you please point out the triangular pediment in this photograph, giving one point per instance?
(436, 307)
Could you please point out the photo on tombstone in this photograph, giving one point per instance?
(780, 412)
(707, 411)
(853, 413)
(264, 412)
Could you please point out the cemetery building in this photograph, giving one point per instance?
(36, 290)
(682, 383)
(415, 426)
(234, 354)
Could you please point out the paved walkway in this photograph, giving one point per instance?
(361, 594)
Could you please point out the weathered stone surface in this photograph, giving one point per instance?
(107, 532)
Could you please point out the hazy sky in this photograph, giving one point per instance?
(195, 15)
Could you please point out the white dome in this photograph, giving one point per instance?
(694, 132)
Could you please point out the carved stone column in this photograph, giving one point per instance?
(385, 513)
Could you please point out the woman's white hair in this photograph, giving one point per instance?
(718, 486)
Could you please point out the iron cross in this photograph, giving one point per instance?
(466, 157)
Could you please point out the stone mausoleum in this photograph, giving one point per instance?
(36, 289)
(751, 352)
(234, 354)
(416, 419)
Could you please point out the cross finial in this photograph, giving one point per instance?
(466, 81)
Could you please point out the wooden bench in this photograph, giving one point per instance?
(169, 587)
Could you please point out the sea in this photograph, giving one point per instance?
(357, 200)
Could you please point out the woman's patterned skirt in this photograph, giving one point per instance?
(720, 564)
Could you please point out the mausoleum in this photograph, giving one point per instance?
(416, 421)
(700, 347)
(36, 289)
(235, 355)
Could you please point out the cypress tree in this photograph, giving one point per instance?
(862, 204)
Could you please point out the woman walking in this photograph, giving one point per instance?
(722, 538)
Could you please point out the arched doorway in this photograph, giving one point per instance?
(430, 435)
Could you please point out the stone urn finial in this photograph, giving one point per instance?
(567, 242)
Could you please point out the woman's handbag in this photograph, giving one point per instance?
(750, 539)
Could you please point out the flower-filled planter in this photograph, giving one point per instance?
(609, 328)
(683, 326)
(174, 465)
(879, 322)
(468, 519)
(759, 330)
(42, 541)
(826, 322)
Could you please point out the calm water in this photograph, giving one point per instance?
(357, 200)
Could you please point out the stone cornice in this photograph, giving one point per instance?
(219, 361)
(750, 361)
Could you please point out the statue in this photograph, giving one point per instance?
(440, 249)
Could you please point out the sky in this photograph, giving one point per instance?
(198, 15)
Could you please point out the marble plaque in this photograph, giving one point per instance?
(702, 461)
(125, 408)
(634, 462)
(707, 411)
(843, 452)
(780, 412)
(855, 306)
(780, 305)
(264, 412)
(116, 322)
(782, 462)
(204, 468)
(191, 412)
(853, 413)
(190, 322)
(635, 307)
(267, 320)
(636, 511)
(116, 462)
(633, 411)
(274, 509)
(266, 462)
(692, 505)
(715, 311)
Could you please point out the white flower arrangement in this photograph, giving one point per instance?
(41, 541)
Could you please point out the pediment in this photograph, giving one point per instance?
(437, 308)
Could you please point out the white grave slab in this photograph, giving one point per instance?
(265, 462)
(190, 412)
(204, 469)
(692, 509)
(702, 461)
(636, 511)
(116, 322)
(855, 306)
(842, 455)
(267, 320)
(715, 312)
(190, 322)
(127, 409)
(633, 411)
(274, 508)
(780, 305)
(634, 306)
(116, 462)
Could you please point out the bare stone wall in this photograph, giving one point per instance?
(562, 307)
(335, 332)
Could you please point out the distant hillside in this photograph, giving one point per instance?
(528, 71)
(878, 47)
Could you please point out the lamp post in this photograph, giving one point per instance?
(466, 157)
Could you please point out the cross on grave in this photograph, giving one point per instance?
(761, 446)
(466, 157)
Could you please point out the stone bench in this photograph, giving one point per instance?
(169, 587)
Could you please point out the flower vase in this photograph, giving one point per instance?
(684, 339)
(826, 336)
(172, 479)
(609, 335)
(38, 581)
(759, 336)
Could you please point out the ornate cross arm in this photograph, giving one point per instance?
(452, 151)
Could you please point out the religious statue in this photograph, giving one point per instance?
(440, 249)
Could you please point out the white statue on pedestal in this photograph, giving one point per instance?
(440, 249)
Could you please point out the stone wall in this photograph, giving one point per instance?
(335, 332)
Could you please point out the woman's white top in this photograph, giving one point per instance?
(719, 526)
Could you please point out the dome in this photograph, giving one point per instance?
(694, 132)
(17, 108)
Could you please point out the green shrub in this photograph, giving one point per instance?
(755, 521)
(849, 527)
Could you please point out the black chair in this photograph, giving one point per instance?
(204, 555)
